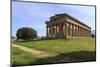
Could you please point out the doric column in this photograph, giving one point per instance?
(56, 30)
(82, 31)
(78, 31)
(67, 32)
(90, 33)
(63, 30)
(86, 33)
(47, 31)
(59, 30)
(51, 31)
(75, 31)
(68, 29)
(72, 30)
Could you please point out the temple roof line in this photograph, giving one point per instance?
(57, 16)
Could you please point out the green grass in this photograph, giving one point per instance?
(20, 57)
(72, 50)
(61, 46)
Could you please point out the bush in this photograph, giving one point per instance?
(92, 35)
(26, 33)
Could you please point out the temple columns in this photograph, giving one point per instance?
(66, 29)
(78, 31)
(55, 30)
(75, 30)
(47, 31)
(81, 32)
(72, 30)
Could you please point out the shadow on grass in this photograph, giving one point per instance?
(81, 56)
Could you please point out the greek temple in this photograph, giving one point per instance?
(66, 26)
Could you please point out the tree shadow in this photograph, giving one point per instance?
(72, 57)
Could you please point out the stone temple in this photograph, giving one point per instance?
(66, 26)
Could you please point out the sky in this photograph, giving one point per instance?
(34, 15)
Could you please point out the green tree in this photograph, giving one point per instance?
(26, 33)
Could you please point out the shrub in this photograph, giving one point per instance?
(93, 35)
(26, 33)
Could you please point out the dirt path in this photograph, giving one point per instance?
(38, 53)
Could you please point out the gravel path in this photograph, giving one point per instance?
(38, 53)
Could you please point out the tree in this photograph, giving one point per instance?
(26, 33)
(93, 35)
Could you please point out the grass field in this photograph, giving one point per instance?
(21, 57)
(72, 50)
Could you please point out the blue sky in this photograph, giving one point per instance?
(34, 15)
